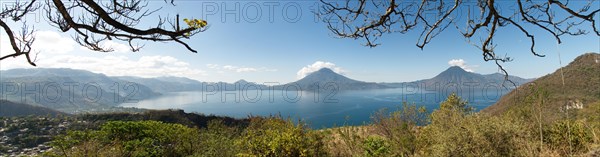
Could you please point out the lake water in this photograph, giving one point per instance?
(319, 110)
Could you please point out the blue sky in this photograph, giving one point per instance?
(278, 47)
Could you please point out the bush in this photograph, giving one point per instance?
(218, 140)
(568, 137)
(345, 141)
(454, 132)
(273, 136)
(376, 146)
(128, 138)
(400, 127)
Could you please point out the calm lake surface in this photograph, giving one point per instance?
(319, 110)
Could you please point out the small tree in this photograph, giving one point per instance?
(454, 102)
(274, 136)
(400, 127)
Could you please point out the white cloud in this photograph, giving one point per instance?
(54, 52)
(246, 70)
(146, 66)
(462, 64)
(117, 47)
(52, 42)
(230, 67)
(46, 43)
(238, 69)
(212, 66)
(266, 69)
(317, 66)
(109, 44)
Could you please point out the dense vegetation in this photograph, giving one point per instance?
(270, 136)
(451, 130)
(31, 134)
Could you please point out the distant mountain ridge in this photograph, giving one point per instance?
(165, 84)
(69, 90)
(455, 75)
(113, 90)
(326, 78)
(11, 109)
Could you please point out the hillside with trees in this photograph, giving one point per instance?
(580, 91)
(452, 130)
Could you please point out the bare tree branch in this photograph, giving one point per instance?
(21, 44)
(94, 22)
(368, 21)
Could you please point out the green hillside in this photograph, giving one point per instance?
(581, 86)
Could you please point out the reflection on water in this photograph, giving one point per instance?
(324, 109)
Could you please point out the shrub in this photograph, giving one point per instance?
(453, 132)
(400, 127)
(274, 136)
(129, 138)
(568, 137)
(376, 146)
(346, 140)
(218, 140)
(454, 102)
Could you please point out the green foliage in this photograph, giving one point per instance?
(166, 116)
(537, 100)
(64, 143)
(590, 116)
(552, 131)
(273, 136)
(450, 114)
(454, 133)
(400, 126)
(376, 146)
(270, 136)
(397, 129)
(345, 141)
(454, 102)
(127, 138)
(217, 139)
(568, 136)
